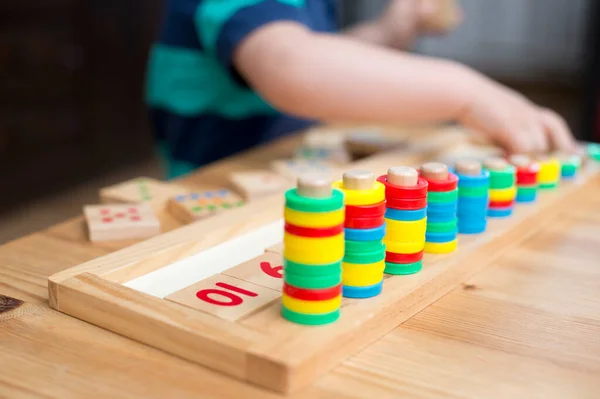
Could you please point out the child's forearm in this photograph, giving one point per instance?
(332, 78)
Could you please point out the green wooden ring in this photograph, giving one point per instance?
(442, 227)
(442, 196)
(303, 204)
(312, 270)
(365, 258)
(403, 268)
(362, 246)
(472, 191)
(310, 319)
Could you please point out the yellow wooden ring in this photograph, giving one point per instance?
(440, 247)
(313, 251)
(317, 219)
(356, 275)
(404, 247)
(503, 194)
(549, 171)
(311, 307)
(362, 197)
(400, 231)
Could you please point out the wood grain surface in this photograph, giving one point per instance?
(527, 327)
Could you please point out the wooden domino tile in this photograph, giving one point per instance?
(141, 189)
(265, 270)
(225, 297)
(257, 184)
(120, 222)
(198, 205)
(292, 168)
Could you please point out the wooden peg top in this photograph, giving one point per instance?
(313, 185)
(358, 180)
(403, 176)
(468, 167)
(434, 171)
(495, 163)
(520, 160)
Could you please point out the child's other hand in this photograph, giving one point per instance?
(404, 20)
(516, 123)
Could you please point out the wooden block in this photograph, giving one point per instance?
(198, 205)
(226, 297)
(292, 168)
(434, 171)
(265, 270)
(257, 184)
(121, 222)
(314, 186)
(277, 248)
(468, 167)
(403, 176)
(358, 180)
(141, 189)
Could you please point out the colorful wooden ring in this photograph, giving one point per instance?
(399, 192)
(501, 204)
(472, 228)
(465, 181)
(332, 269)
(440, 247)
(313, 251)
(504, 194)
(314, 232)
(311, 307)
(362, 292)
(400, 269)
(500, 212)
(365, 211)
(472, 191)
(312, 282)
(321, 294)
(310, 319)
(406, 216)
(361, 275)
(436, 197)
(364, 223)
(315, 220)
(406, 204)
(392, 257)
(364, 258)
(404, 247)
(378, 233)
(362, 197)
(443, 185)
(303, 204)
(362, 246)
(441, 237)
(442, 227)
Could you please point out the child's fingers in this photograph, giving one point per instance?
(557, 130)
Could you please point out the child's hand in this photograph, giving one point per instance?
(516, 123)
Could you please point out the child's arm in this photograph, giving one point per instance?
(333, 78)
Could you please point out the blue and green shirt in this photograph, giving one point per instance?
(202, 109)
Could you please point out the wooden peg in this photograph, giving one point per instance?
(358, 180)
(495, 163)
(520, 160)
(403, 176)
(314, 185)
(468, 167)
(434, 171)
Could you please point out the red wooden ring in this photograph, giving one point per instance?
(443, 185)
(526, 176)
(392, 257)
(393, 191)
(406, 204)
(501, 204)
(314, 231)
(365, 211)
(364, 223)
(321, 294)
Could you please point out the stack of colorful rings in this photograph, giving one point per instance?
(592, 150)
(406, 220)
(473, 197)
(527, 172)
(569, 165)
(313, 248)
(363, 263)
(549, 174)
(503, 189)
(442, 207)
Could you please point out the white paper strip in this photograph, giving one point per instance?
(181, 274)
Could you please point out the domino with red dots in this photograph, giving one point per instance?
(120, 222)
(258, 184)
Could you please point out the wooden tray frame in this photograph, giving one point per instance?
(264, 349)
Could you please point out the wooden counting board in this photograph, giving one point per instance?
(210, 291)
(198, 205)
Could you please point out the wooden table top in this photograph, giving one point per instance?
(526, 327)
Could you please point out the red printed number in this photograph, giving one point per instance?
(276, 271)
(224, 297)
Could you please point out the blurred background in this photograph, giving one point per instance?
(72, 79)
